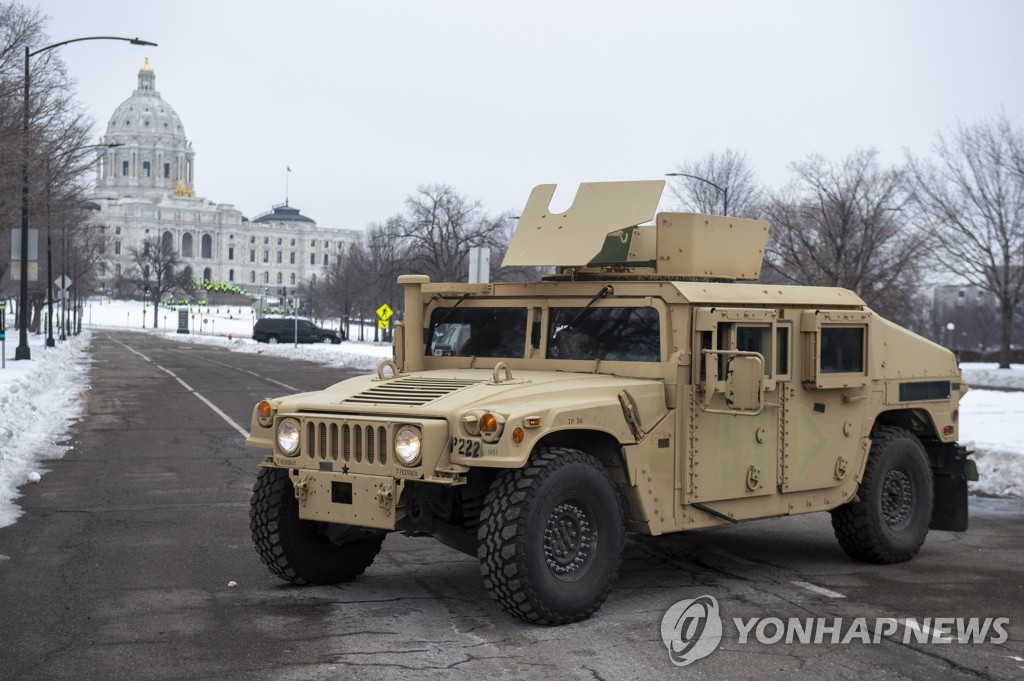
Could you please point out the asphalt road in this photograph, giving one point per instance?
(120, 567)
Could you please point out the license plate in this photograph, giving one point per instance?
(466, 447)
(472, 449)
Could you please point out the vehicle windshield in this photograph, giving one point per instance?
(477, 332)
(625, 334)
(622, 334)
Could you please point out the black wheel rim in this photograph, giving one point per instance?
(897, 498)
(569, 539)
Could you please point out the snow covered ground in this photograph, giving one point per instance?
(41, 399)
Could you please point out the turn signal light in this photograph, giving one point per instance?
(517, 435)
(265, 413)
(947, 430)
(956, 415)
(488, 423)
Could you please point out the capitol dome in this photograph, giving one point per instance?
(146, 113)
(147, 153)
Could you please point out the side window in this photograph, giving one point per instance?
(842, 350)
(756, 339)
(624, 334)
(477, 332)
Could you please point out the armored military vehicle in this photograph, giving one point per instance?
(638, 389)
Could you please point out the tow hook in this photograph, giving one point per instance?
(384, 495)
(301, 488)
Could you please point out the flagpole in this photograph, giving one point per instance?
(287, 172)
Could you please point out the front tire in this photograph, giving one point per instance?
(302, 551)
(889, 519)
(551, 537)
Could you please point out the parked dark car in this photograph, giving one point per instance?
(282, 330)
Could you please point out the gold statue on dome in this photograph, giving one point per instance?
(182, 190)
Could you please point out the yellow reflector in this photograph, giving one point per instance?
(532, 421)
(488, 424)
(517, 435)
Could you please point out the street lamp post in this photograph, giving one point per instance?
(22, 351)
(724, 190)
(49, 265)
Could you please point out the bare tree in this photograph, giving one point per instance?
(57, 133)
(846, 225)
(440, 226)
(156, 269)
(971, 201)
(718, 184)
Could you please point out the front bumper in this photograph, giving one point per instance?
(347, 498)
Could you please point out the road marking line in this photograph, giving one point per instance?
(208, 403)
(246, 371)
(820, 590)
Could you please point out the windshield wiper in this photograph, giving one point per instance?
(448, 314)
(586, 310)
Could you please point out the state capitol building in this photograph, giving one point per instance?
(145, 187)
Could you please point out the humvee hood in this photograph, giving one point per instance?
(437, 393)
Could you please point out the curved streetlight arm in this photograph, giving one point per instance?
(133, 41)
(724, 190)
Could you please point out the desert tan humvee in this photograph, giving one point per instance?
(640, 389)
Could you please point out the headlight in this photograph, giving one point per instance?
(407, 445)
(288, 437)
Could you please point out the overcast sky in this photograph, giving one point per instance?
(366, 101)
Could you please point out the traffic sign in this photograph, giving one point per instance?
(63, 282)
(383, 324)
(384, 312)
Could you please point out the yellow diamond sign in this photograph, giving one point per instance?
(384, 312)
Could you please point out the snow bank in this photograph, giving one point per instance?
(991, 425)
(989, 375)
(39, 401)
(346, 355)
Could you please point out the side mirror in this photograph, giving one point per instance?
(744, 383)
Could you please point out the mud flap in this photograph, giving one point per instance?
(950, 471)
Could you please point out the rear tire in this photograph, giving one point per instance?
(551, 537)
(300, 551)
(273, 340)
(889, 519)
